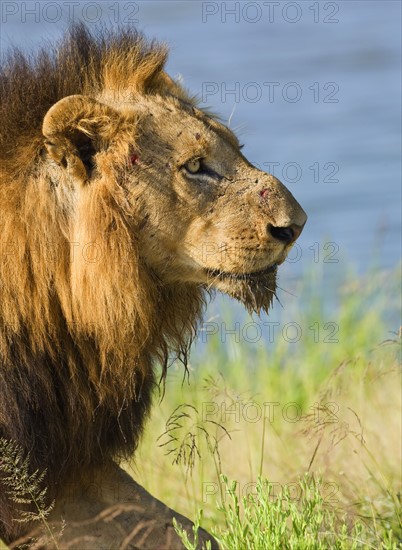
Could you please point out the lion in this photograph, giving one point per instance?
(123, 207)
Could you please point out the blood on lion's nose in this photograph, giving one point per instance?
(286, 218)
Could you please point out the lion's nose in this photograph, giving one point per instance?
(287, 235)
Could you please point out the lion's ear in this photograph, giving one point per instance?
(76, 128)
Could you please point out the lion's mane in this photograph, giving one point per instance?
(78, 335)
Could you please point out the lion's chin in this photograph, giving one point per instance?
(255, 291)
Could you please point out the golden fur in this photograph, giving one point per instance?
(109, 243)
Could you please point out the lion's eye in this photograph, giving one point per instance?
(193, 166)
(198, 171)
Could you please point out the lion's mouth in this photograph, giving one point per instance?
(254, 275)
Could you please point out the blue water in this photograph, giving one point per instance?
(332, 123)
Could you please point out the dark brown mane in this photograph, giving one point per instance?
(78, 341)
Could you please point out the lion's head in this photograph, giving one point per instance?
(206, 215)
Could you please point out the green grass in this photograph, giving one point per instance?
(276, 415)
(279, 521)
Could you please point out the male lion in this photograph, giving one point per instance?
(122, 205)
